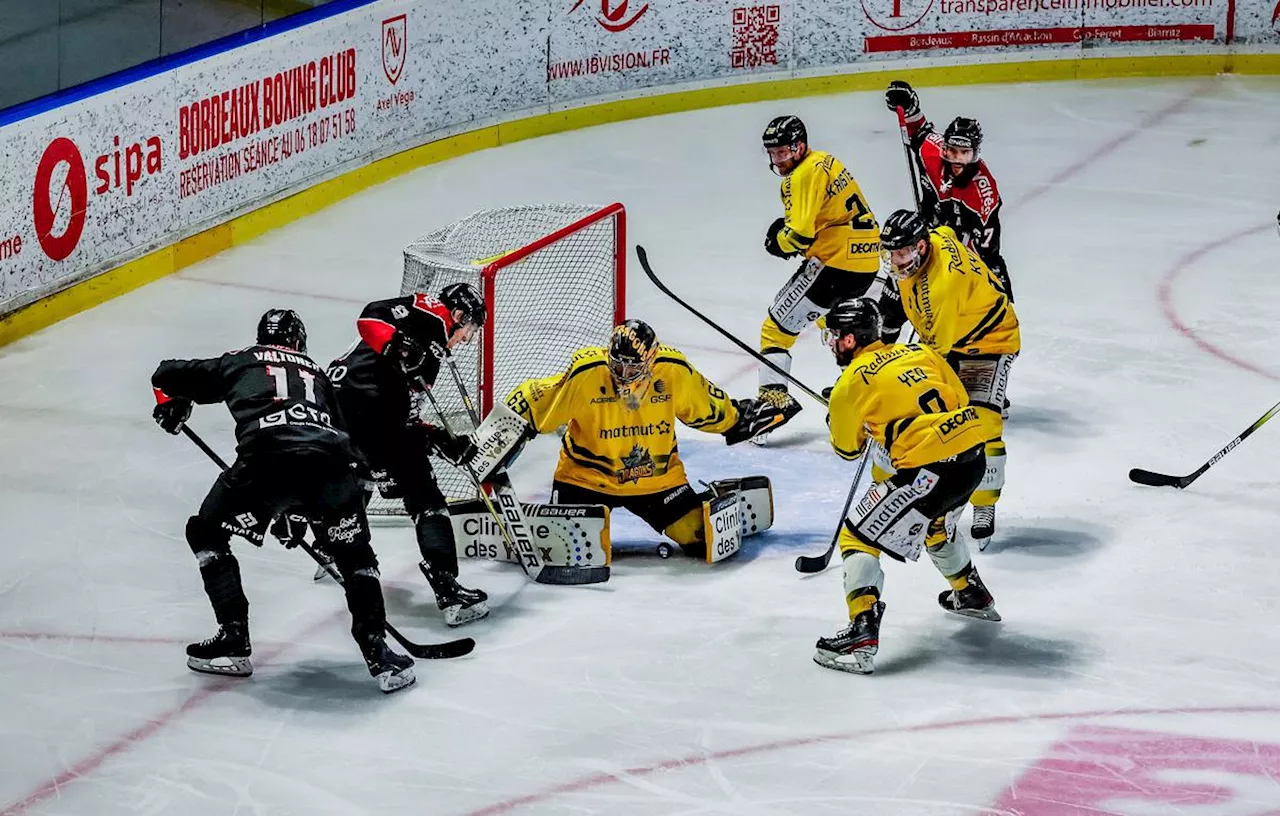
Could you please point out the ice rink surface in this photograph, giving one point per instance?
(1136, 668)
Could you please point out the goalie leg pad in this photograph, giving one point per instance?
(565, 535)
(722, 527)
(755, 501)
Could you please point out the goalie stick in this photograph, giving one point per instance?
(510, 516)
(1153, 479)
(422, 651)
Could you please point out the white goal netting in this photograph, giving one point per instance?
(552, 277)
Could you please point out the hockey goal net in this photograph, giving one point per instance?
(553, 280)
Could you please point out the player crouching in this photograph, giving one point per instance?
(908, 400)
(620, 404)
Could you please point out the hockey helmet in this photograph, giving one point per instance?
(859, 317)
(282, 327)
(633, 345)
(464, 297)
(785, 132)
(964, 133)
(899, 238)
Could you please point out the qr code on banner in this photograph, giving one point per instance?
(755, 36)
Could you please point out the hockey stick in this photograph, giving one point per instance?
(422, 651)
(648, 270)
(817, 563)
(1152, 479)
(511, 521)
(906, 152)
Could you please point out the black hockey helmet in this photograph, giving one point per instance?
(903, 229)
(465, 297)
(859, 317)
(785, 130)
(633, 345)
(282, 327)
(964, 132)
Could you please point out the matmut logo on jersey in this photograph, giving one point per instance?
(895, 15)
(613, 16)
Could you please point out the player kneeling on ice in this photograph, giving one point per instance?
(906, 399)
(290, 454)
(402, 343)
(621, 404)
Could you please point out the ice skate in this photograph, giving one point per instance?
(974, 601)
(459, 604)
(227, 652)
(392, 670)
(984, 525)
(853, 648)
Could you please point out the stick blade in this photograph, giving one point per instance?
(1152, 479)
(572, 576)
(812, 563)
(439, 651)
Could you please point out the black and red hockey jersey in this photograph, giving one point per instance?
(279, 398)
(970, 204)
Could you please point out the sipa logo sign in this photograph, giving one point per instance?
(395, 47)
(895, 15)
(614, 18)
(1275, 18)
(61, 186)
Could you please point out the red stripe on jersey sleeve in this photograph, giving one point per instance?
(377, 333)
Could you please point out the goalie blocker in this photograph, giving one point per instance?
(577, 535)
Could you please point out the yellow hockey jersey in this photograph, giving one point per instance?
(610, 448)
(909, 400)
(827, 216)
(956, 303)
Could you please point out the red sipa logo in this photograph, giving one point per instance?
(60, 191)
(898, 18)
(614, 19)
(1275, 15)
(395, 47)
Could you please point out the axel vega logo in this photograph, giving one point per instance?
(895, 15)
(614, 18)
(395, 46)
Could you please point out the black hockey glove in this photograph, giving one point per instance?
(289, 529)
(901, 95)
(753, 418)
(456, 449)
(408, 354)
(172, 415)
(771, 240)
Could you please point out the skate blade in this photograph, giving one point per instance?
(391, 682)
(233, 667)
(858, 662)
(321, 574)
(988, 614)
(458, 616)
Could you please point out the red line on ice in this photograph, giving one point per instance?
(1171, 313)
(602, 779)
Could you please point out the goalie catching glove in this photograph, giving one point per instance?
(755, 417)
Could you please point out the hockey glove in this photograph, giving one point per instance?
(289, 529)
(408, 354)
(456, 449)
(172, 414)
(771, 240)
(901, 95)
(754, 417)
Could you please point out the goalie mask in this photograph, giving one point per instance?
(632, 349)
(900, 240)
(282, 327)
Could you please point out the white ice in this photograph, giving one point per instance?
(1136, 668)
